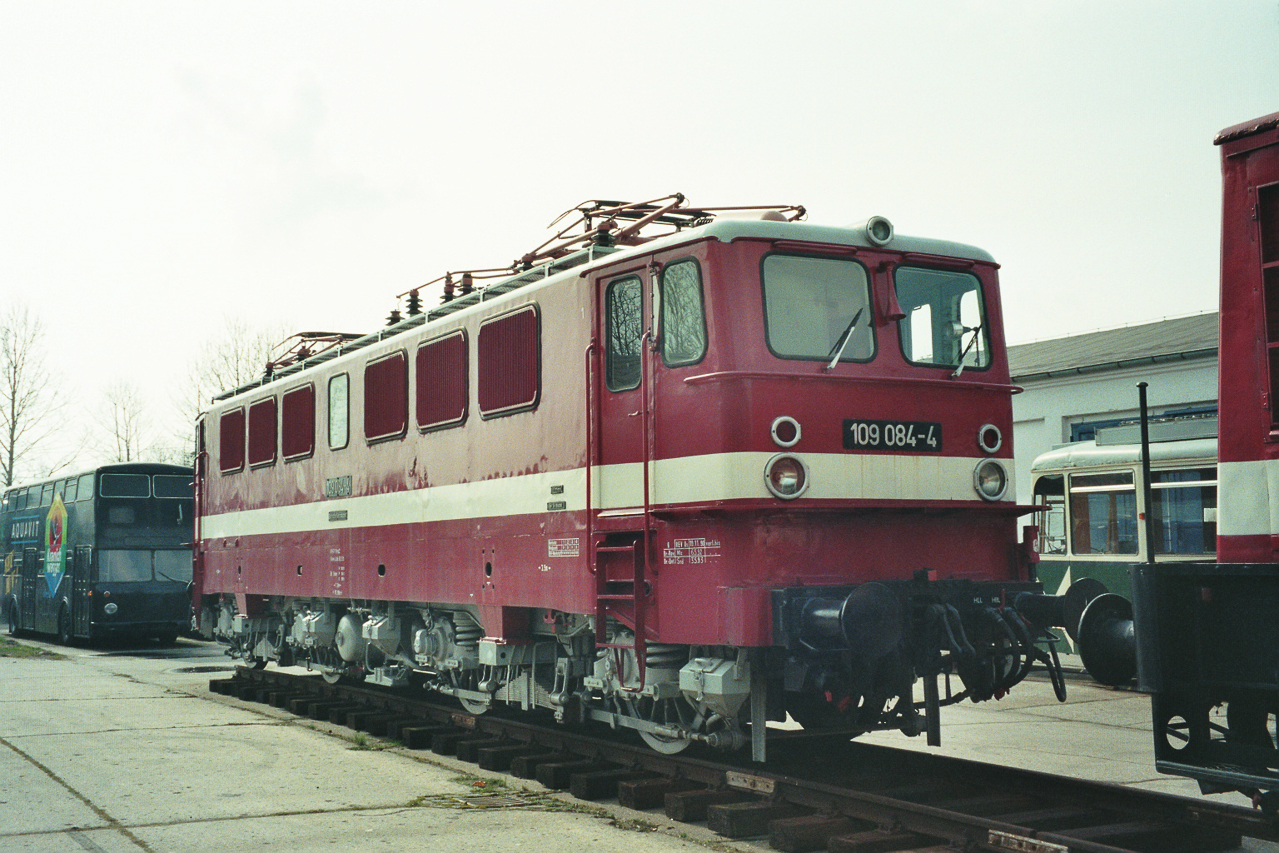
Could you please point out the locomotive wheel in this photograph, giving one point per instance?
(472, 706)
(666, 746)
(331, 676)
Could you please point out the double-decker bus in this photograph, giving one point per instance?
(105, 553)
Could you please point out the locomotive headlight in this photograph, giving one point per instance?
(786, 476)
(990, 479)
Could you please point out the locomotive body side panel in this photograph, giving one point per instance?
(1249, 350)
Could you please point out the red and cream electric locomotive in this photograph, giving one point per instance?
(686, 471)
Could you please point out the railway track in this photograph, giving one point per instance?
(824, 794)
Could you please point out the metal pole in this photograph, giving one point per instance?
(1148, 515)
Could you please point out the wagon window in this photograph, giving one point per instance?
(509, 354)
(386, 397)
(1185, 511)
(683, 319)
(623, 310)
(812, 304)
(262, 432)
(231, 441)
(442, 382)
(945, 319)
(1103, 513)
(297, 422)
(339, 415)
(1051, 490)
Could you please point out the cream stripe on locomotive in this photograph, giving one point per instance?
(686, 480)
(1248, 498)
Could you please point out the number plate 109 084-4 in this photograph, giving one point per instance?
(908, 436)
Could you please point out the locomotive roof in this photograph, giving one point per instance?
(724, 230)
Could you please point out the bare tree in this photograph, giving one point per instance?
(125, 428)
(29, 398)
(236, 357)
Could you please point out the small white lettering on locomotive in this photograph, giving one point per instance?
(337, 570)
(561, 548)
(686, 552)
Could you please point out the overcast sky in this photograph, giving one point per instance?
(165, 165)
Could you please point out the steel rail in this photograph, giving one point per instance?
(819, 783)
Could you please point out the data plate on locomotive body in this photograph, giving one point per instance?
(893, 436)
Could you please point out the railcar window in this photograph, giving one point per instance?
(125, 486)
(262, 433)
(945, 319)
(231, 441)
(812, 304)
(173, 566)
(124, 566)
(339, 414)
(386, 397)
(171, 485)
(297, 422)
(442, 387)
(1051, 490)
(624, 312)
(1185, 511)
(1103, 512)
(683, 317)
(509, 354)
(85, 490)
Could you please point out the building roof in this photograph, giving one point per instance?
(1178, 339)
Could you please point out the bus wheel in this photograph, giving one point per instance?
(64, 626)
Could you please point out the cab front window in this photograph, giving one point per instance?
(945, 318)
(817, 308)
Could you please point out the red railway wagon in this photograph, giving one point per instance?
(1208, 633)
(683, 482)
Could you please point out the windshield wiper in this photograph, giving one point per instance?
(837, 351)
(964, 354)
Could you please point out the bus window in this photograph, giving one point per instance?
(1051, 490)
(125, 486)
(70, 489)
(171, 485)
(46, 494)
(1185, 511)
(119, 512)
(173, 566)
(124, 566)
(1103, 512)
(85, 491)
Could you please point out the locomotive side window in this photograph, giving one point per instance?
(262, 433)
(683, 318)
(386, 397)
(1103, 511)
(231, 441)
(339, 415)
(624, 314)
(944, 323)
(815, 308)
(442, 382)
(297, 423)
(509, 353)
